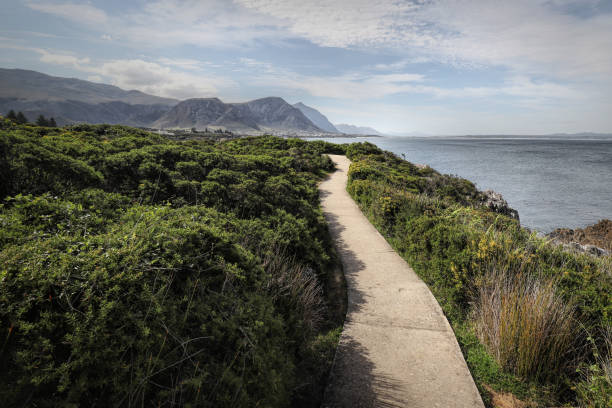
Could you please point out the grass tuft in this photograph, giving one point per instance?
(525, 324)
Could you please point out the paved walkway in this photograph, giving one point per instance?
(397, 348)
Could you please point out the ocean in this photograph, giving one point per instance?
(552, 182)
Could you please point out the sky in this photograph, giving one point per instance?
(437, 67)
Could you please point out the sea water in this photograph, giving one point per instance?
(552, 182)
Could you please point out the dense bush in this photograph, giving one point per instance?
(466, 252)
(140, 270)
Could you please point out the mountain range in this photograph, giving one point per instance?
(70, 100)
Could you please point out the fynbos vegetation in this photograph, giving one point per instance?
(531, 318)
(136, 270)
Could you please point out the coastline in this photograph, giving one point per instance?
(551, 183)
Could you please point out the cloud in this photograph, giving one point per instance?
(158, 79)
(345, 23)
(77, 12)
(51, 57)
(365, 86)
(211, 23)
(526, 35)
(62, 59)
(184, 63)
(561, 38)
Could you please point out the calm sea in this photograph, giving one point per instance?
(552, 182)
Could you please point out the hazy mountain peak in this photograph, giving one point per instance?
(357, 130)
(316, 117)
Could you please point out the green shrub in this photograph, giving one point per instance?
(136, 270)
(595, 389)
(158, 308)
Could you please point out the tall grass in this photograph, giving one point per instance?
(299, 285)
(528, 328)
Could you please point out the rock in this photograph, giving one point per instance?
(495, 201)
(578, 248)
(593, 250)
(595, 239)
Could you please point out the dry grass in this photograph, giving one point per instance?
(299, 284)
(526, 326)
(506, 399)
(605, 263)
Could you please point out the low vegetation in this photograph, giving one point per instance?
(139, 270)
(532, 319)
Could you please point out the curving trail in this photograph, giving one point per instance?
(397, 348)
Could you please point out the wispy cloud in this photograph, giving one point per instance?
(77, 12)
(366, 86)
(529, 36)
(159, 79)
(52, 56)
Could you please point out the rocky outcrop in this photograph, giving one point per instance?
(595, 239)
(196, 112)
(496, 202)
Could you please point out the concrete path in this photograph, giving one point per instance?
(397, 348)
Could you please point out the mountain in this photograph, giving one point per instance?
(35, 86)
(71, 100)
(67, 112)
(357, 130)
(316, 117)
(270, 114)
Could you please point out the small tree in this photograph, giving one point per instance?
(42, 121)
(11, 115)
(20, 118)
(52, 122)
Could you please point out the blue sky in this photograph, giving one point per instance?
(431, 66)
